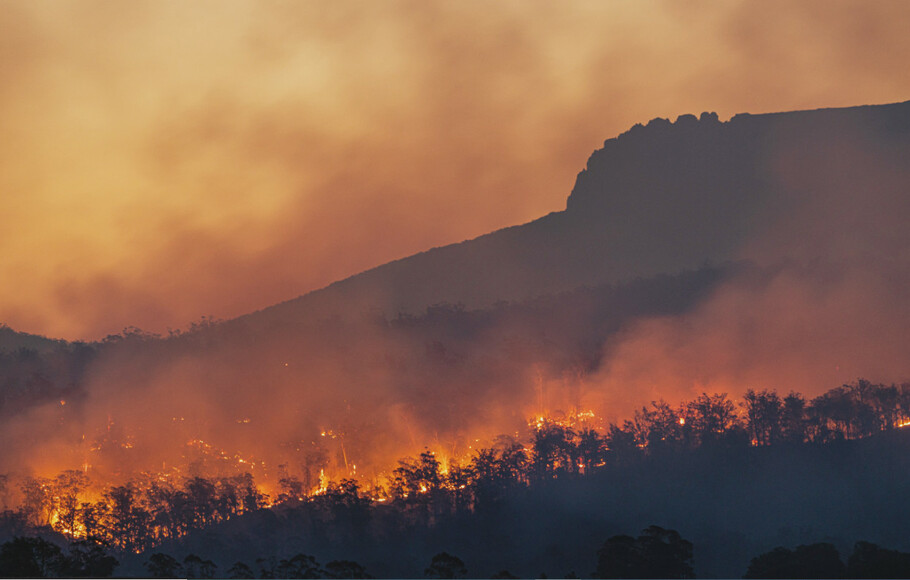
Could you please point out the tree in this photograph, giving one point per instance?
(444, 565)
(251, 499)
(621, 443)
(813, 561)
(240, 570)
(414, 477)
(591, 449)
(65, 490)
(163, 566)
(202, 499)
(196, 567)
(299, 566)
(89, 559)
(619, 557)
(37, 504)
(30, 558)
(711, 417)
(886, 402)
(554, 450)
(793, 418)
(347, 504)
(91, 517)
(512, 463)
(458, 479)
(667, 554)
(656, 553)
(763, 416)
(660, 427)
(129, 520)
(871, 561)
(345, 569)
(485, 478)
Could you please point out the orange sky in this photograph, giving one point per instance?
(161, 161)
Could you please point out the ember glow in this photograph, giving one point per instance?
(220, 484)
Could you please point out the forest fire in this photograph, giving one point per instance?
(134, 511)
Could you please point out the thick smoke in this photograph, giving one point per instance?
(826, 303)
(821, 303)
(159, 160)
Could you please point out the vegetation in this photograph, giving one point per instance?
(421, 492)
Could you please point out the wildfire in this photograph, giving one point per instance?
(570, 420)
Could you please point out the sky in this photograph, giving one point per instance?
(164, 161)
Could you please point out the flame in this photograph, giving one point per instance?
(205, 457)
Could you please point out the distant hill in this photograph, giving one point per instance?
(659, 198)
(10, 340)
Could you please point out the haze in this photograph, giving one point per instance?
(163, 161)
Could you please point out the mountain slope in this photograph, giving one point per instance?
(658, 198)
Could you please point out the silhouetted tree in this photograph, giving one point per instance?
(554, 450)
(871, 561)
(444, 565)
(812, 561)
(656, 553)
(251, 499)
(667, 554)
(620, 557)
(89, 559)
(292, 489)
(240, 570)
(793, 418)
(65, 491)
(763, 415)
(202, 501)
(591, 449)
(196, 567)
(299, 566)
(163, 566)
(30, 558)
(711, 417)
(267, 567)
(458, 479)
(887, 404)
(92, 516)
(347, 504)
(485, 478)
(512, 462)
(621, 443)
(660, 427)
(37, 500)
(345, 569)
(129, 520)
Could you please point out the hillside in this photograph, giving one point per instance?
(657, 199)
(768, 251)
(11, 340)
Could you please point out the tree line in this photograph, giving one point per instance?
(655, 553)
(143, 513)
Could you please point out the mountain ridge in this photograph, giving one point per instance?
(661, 197)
